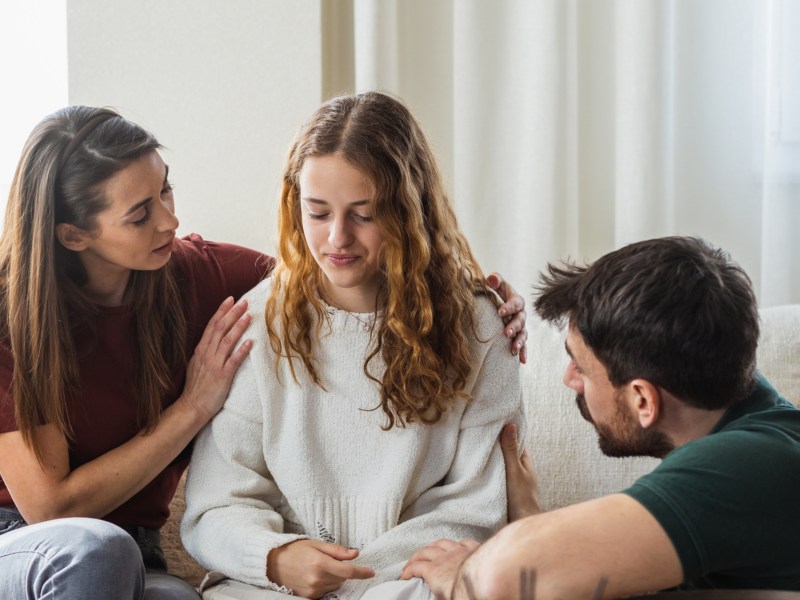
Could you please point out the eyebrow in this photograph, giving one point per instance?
(572, 356)
(144, 202)
(318, 201)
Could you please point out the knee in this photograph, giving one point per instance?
(84, 558)
(101, 542)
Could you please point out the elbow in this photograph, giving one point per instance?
(50, 507)
(41, 514)
(493, 580)
(494, 585)
(496, 570)
(516, 564)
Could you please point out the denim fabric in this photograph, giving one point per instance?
(10, 520)
(68, 559)
(84, 558)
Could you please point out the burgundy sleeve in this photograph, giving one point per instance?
(212, 271)
(240, 268)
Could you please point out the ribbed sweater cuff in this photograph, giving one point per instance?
(255, 552)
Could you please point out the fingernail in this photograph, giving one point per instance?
(502, 312)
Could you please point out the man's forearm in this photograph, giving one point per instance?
(463, 587)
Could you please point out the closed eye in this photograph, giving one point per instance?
(145, 217)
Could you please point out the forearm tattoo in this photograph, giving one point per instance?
(464, 589)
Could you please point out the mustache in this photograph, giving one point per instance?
(580, 400)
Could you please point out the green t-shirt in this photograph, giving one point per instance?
(729, 501)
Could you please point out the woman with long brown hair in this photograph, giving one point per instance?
(364, 423)
(100, 304)
(116, 346)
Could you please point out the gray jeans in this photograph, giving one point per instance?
(83, 559)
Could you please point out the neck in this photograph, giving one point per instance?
(684, 423)
(106, 283)
(108, 289)
(355, 300)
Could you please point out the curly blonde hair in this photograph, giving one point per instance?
(429, 277)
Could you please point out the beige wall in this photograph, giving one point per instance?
(223, 85)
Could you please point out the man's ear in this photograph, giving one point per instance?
(72, 237)
(647, 402)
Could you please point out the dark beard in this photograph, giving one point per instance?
(624, 436)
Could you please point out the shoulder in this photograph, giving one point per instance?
(702, 477)
(194, 251)
(257, 297)
(209, 272)
(488, 324)
(495, 382)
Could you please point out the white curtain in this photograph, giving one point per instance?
(570, 127)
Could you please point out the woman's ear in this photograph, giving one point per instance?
(72, 237)
(648, 402)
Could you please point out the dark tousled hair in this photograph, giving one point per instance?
(674, 310)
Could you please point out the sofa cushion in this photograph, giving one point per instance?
(779, 349)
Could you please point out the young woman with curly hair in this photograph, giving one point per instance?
(364, 423)
(116, 347)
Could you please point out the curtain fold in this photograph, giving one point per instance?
(567, 128)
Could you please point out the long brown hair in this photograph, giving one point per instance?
(429, 277)
(59, 180)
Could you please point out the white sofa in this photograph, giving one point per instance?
(569, 464)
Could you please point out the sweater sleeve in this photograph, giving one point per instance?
(470, 502)
(232, 519)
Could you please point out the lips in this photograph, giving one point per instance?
(342, 260)
(165, 248)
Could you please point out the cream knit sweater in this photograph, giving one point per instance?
(284, 461)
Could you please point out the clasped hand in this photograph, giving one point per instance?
(312, 568)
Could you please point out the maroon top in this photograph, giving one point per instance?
(103, 415)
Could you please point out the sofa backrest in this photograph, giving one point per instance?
(569, 464)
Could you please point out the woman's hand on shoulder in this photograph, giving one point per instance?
(512, 311)
(216, 359)
(312, 568)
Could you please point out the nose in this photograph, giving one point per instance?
(340, 235)
(572, 378)
(166, 219)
